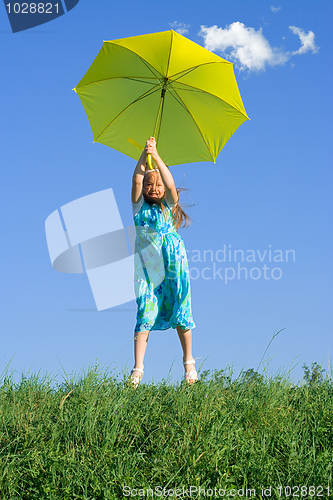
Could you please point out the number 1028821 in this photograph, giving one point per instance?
(32, 8)
(304, 491)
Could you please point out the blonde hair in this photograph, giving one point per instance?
(180, 218)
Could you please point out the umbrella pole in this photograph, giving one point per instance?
(158, 118)
(160, 112)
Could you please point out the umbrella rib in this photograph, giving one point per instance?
(189, 70)
(168, 64)
(136, 79)
(146, 63)
(117, 78)
(188, 111)
(191, 88)
(146, 94)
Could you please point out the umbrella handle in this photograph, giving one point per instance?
(150, 162)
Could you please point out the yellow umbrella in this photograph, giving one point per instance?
(166, 86)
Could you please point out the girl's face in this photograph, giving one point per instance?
(153, 187)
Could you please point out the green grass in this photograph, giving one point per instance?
(89, 437)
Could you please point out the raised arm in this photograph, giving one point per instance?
(137, 180)
(169, 183)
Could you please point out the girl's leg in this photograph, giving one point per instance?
(140, 346)
(185, 337)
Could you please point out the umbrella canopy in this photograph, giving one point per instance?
(166, 86)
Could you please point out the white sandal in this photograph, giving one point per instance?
(192, 376)
(135, 379)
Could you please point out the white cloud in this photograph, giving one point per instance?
(180, 27)
(307, 40)
(275, 9)
(249, 48)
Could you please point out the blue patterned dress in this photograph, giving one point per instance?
(161, 278)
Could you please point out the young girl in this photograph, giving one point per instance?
(162, 280)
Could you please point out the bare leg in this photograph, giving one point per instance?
(185, 337)
(140, 346)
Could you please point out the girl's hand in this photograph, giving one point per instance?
(151, 147)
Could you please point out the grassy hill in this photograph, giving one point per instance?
(98, 438)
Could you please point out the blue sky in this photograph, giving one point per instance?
(270, 190)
